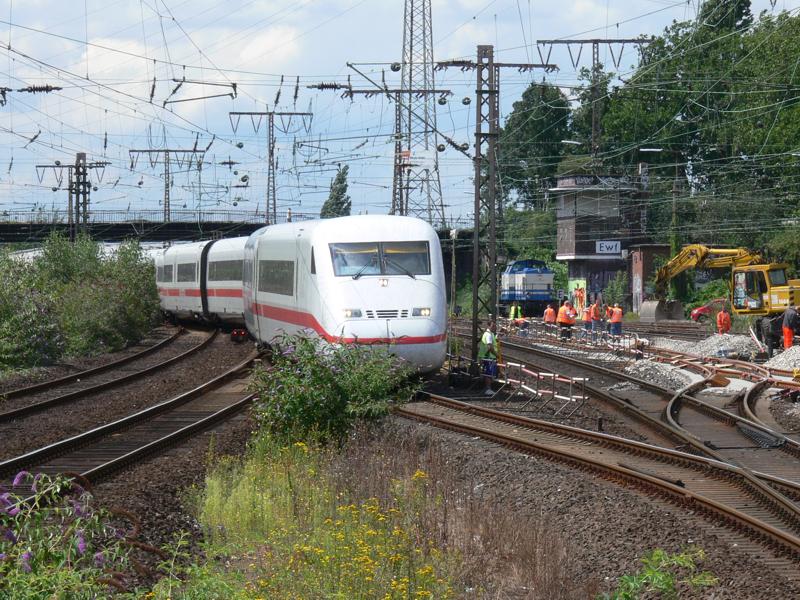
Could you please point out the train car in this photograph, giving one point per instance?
(202, 281)
(362, 279)
(529, 283)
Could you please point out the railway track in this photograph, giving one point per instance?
(680, 420)
(26, 401)
(751, 516)
(97, 453)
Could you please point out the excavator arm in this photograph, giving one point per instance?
(696, 256)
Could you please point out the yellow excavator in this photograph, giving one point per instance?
(759, 289)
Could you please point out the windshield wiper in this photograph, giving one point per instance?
(364, 268)
(388, 260)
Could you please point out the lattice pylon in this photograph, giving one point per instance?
(417, 189)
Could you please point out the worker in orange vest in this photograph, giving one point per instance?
(549, 315)
(566, 319)
(723, 321)
(616, 320)
(586, 317)
(791, 323)
(597, 323)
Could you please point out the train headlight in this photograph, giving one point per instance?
(421, 312)
(352, 313)
(383, 282)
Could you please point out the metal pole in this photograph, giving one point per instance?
(453, 236)
(166, 187)
(70, 201)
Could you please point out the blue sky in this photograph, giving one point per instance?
(255, 43)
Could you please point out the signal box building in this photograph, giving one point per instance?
(598, 219)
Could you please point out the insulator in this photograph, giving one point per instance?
(240, 145)
(395, 67)
(94, 188)
(244, 178)
(442, 100)
(465, 146)
(55, 189)
(441, 147)
(466, 100)
(235, 203)
(58, 163)
(236, 173)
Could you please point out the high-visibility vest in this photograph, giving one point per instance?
(566, 316)
(549, 315)
(515, 312)
(586, 315)
(723, 322)
(595, 312)
(616, 315)
(488, 345)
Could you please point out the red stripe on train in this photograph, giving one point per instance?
(195, 293)
(304, 319)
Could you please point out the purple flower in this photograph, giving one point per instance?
(12, 511)
(99, 559)
(4, 499)
(81, 542)
(2, 556)
(79, 509)
(35, 481)
(19, 478)
(9, 535)
(25, 561)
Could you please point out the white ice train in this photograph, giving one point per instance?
(202, 281)
(365, 279)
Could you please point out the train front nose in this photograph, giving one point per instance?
(419, 341)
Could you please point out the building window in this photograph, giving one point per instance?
(225, 270)
(276, 277)
(187, 272)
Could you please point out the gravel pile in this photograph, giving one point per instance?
(660, 374)
(788, 359)
(716, 345)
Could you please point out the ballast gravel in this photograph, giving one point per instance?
(788, 359)
(725, 345)
(608, 528)
(658, 373)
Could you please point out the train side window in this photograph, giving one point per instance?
(159, 273)
(276, 277)
(225, 270)
(167, 273)
(313, 263)
(187, 272)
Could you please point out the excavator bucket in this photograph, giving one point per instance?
(661, 310)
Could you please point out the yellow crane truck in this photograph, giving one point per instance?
(758, 289)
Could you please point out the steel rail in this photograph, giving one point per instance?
(782, 540)
(787, 444)
(61, 447)
(673, 430)
(74, 377)
(24, 411)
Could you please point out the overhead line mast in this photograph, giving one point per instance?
(487, 210)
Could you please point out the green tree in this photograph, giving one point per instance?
(338, 203)
(529, 147)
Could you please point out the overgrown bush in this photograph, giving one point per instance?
(73, 300)
(57, 546)
(320, 390)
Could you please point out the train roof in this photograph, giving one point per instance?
(367, 228)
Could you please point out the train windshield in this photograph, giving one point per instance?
(384, 258)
